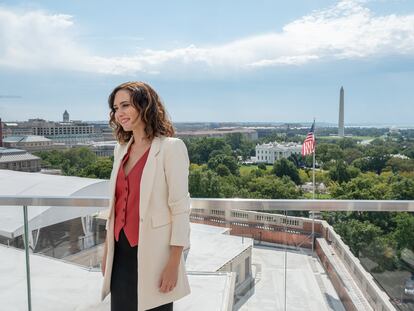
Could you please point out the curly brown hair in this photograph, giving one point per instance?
(150, 108)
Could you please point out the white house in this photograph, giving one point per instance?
(271, 152)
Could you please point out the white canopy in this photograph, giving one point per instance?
(37, 184)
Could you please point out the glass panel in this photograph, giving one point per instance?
(363, 258)
(13, 289)
(65, 263)
(359, 258)
(383, 243)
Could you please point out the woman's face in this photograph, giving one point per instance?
(125, 113)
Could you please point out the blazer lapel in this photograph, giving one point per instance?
(147, 178)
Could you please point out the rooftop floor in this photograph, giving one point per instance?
(307, 285)
(57, 285)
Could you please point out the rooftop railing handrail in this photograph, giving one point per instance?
(31, 200)
(232, 203)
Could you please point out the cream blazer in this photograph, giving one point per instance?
(164, 219)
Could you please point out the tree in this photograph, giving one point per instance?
(351, 154)
(222, 170)
(271, 187)
(199, 149)
(204, 184)
(284, 167)
(404, 233)
(101, 168)
(364, 187)
(402, 188)
(375, 159)
(397, 165)
(71, 161)
(327, 152)
(341, 172)
(229, 187)
(240, 145)
(409, 152)
(357, 235)
(224, 160)
(296, 159)
(382, 251)
(234, 140)
(346, 143)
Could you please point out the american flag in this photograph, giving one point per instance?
(309, 144)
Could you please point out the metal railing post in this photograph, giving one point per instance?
(285, 264)
(27, 249)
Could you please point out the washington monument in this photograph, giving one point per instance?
(341, 130)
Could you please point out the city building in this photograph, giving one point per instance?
(271, 152)
(105, 131)
(16, 129)
(248, 133)
(100, 148)
(265, 131)
(18, 160)
(69, 133)
(31, 143)
(103, 148)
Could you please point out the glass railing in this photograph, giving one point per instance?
(246, 254)
(52, 246)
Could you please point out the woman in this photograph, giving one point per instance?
(148, 224)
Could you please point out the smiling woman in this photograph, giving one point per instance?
(133, 99)
(148, 224)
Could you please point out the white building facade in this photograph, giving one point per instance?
(271, 152)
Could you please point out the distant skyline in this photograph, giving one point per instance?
(215, 61)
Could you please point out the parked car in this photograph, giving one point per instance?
(408, 293)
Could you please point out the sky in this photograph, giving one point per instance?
(211, 61)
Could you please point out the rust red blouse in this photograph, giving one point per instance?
(127, 196)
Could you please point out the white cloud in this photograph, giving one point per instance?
(347, 30)
(37, 40)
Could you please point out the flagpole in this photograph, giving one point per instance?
(313, 190)
(309, 146)
(313, 177)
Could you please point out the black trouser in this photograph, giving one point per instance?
(124, 278)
